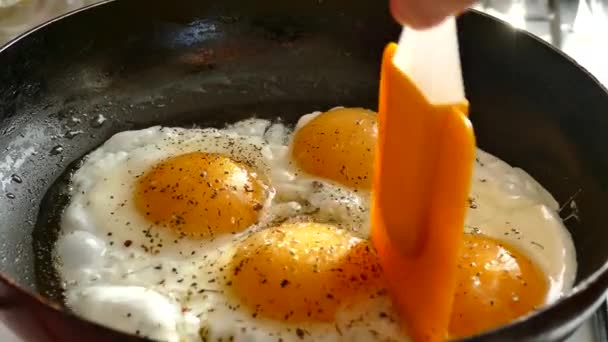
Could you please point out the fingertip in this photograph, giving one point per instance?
(415, 13)
(397, 11)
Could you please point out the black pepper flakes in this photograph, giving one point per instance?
(300, 333)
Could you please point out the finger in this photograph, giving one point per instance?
(426, 13)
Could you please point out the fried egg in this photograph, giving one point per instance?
(517, 255)
(158, 216)
(258, 232)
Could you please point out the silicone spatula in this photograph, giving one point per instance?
(424, 162)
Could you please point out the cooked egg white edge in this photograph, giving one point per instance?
(509, 205)
(130, 309)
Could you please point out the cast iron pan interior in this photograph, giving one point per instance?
(140, 63)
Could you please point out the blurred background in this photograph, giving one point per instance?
(580, 28)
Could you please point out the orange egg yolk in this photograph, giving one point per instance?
(200, 195)
(338, 145)
(303, 272)
(496, 284)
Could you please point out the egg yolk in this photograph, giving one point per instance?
(200, 194)
(496, 284)
(338, 145)
(303, 272)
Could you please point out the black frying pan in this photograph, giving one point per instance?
(142, 62)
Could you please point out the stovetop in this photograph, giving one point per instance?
(575, 27)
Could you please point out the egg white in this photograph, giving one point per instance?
(508, 205)
(130, 266)
(177, 292)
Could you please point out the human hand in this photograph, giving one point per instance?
(426, 13)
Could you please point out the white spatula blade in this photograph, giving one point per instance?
(431, 59)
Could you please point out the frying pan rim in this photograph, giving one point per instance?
(599, 277)
(51, 21)
(539, 41)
